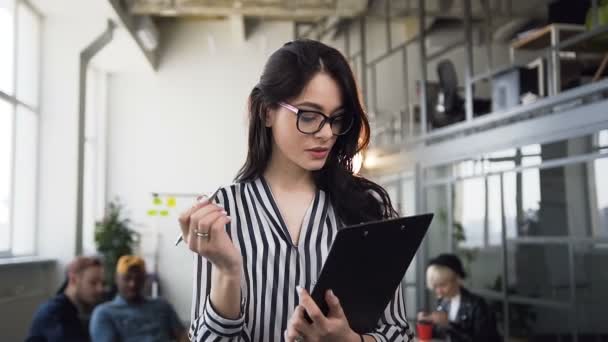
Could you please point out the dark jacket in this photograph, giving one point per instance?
(57, 320)
(474, 323)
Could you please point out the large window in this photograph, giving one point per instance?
(531, 226)
(19, 120)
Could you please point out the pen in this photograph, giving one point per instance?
(211, 199)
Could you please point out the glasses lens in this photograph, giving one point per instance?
(341, 124)
(309, 122)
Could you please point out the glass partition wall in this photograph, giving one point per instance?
(531, 227)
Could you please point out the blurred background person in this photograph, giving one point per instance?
(460, 315)
(65, 317)
(131, 316)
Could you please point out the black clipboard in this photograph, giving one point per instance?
(365, 266)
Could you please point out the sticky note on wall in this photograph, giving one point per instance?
(171, 202)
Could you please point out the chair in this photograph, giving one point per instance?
(448, 107)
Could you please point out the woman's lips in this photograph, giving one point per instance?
(318, 153)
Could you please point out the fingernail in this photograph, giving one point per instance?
(224, 212)
(331, 293)
(299, 289)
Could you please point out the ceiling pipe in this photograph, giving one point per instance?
(85, 58)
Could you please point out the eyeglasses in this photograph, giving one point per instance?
(311, 122)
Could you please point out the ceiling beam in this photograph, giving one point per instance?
(341, 8)
(237, 27)
(130, 23)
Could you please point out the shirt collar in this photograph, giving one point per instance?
(70, 305)
(119, 300)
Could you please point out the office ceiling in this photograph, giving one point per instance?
(302, 10)
(267, 9)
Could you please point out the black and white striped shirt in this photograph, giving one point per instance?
(272, 268)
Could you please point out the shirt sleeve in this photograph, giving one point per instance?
(101, 326)
(393, 325)
(205, 323)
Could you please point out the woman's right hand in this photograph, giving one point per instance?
(437, 317)
(207, 217)
(423, 316)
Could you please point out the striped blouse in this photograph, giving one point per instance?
(272, 268)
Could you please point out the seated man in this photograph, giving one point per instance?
(131, 316)
(65, 316)
(460, 314)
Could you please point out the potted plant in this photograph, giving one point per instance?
(114, 238)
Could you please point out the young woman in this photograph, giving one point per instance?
(262, 243)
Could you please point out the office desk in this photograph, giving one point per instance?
(544, 37)
(551, 36)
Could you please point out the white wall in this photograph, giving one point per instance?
(69, 27)
(183, 129)
(58, 134)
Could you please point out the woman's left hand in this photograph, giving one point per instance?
(334, 327)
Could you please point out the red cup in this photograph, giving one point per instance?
(425, 330)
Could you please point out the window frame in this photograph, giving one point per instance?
(14, 100)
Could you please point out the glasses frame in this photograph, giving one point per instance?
(298, 112)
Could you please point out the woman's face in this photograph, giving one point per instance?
(308, 151)
(447, 288)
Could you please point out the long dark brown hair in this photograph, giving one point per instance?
(288, 70)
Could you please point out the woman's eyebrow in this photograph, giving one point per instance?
(317, 106)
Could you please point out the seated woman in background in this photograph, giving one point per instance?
(460, 314)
